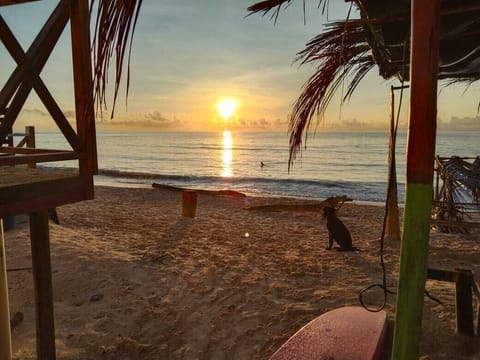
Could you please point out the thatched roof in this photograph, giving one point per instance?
(380, 38)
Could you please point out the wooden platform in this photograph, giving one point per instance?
(25, 190)
(346, 333)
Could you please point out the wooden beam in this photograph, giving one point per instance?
(442, 275)
(456, 224)
(5, 334)
(38, 203)
(425, 28)
(37, 158)
(42, 279)
(83, 85)
(23, 150)
(57, 114)
(22, 198)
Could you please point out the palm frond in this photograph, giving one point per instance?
(114, 28)
(339, 55)
(274, 6)
(266, 6)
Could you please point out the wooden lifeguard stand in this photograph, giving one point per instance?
(27, 190)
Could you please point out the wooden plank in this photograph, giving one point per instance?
(5, 334)
(42, 279)
(43, 201)
(83, 86)
(442, 275)
(456, 224)
(20, 150)
(37, 158)
(425, 29)
(346, 333)
(40, 190)
(23, 189)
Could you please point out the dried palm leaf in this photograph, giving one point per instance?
(275, 6)
(114, 29)
(460, 186)
(339, 56)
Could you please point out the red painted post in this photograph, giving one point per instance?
(425, 26)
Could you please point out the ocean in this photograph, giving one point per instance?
(334, 163)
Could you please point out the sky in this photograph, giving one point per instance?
(189, 54)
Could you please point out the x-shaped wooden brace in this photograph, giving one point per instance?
(27, 73)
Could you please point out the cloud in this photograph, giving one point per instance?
(456, 123)
(152, 120)
(69, 114)
(258, 124)
(36, 111)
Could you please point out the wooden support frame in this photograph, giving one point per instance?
(26, 77)
(26, 189)
(30, 64)
(34, 158)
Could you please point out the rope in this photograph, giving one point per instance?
(383, 285)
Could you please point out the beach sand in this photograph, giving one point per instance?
(133, 279)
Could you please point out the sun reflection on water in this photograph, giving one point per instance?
(227, 154)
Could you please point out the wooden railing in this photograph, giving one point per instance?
(25, 151)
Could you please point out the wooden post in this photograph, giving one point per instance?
(463, 302)
(30, 135)
(392, 230)
(83, 86)
(5, 335)
(42, 279)
(424, 55)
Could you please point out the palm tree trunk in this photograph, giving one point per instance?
(392, 230)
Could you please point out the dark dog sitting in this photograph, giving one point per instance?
(337, 231)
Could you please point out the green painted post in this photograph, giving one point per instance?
(425, 26)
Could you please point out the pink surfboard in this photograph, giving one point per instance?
(346, 333)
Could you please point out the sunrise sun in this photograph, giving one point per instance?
(226, 107)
